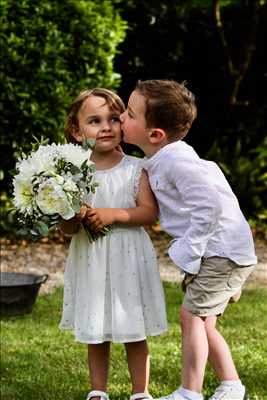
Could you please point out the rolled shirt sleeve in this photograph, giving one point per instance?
(202, 201)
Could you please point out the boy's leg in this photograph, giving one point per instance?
(220, 356)
(139, 365)
(98, 362)
(221, 360)
(194, 357)
(200, 339)
(194, 350)
(208, 294)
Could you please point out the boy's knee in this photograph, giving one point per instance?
(187, 319)
(210, 323)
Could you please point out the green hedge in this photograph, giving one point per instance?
(50, 50)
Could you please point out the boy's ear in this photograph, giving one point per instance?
(157, 135)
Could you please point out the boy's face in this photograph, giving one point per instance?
(133, 122)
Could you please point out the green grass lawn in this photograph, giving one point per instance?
(40, 362)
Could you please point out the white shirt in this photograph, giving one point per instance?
(198, 208)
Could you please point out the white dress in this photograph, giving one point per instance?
(112, 288)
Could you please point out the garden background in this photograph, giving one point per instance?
(51, 50)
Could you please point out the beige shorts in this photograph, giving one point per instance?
(211, 289)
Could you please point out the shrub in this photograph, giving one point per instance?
(247, 176)
(51, 50)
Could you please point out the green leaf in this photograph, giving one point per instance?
(41, 228)
(88, 144)
(74, 170)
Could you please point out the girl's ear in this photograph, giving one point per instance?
(157, 136)
(75, 133)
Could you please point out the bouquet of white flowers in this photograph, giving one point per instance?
(50, 185)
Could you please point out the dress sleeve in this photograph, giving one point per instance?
(136, 179)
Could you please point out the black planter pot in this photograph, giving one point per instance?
(18, 292)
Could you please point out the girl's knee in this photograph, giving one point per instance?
(137, 346)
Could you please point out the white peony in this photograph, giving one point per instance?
(51, 199)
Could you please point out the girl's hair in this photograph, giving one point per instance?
(72, 123)
(169, 106)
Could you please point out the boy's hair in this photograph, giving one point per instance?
(169, 106)
(72, 123)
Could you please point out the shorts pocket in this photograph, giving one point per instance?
(238, 275)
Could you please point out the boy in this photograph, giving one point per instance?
(212, 242)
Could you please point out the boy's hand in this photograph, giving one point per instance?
(188, 278)
(98, 218)
(235, 297)
(119, 149)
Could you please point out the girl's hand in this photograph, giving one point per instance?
(82, 213)
(71, 226)
(98, 218)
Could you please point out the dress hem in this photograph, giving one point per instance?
(102, 340)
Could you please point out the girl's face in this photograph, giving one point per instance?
(97, 121)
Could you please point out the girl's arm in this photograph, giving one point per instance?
(71, 226)
(145, 212)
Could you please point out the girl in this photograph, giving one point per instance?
(112, 289)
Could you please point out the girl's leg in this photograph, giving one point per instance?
(220, 356)
(139, 365)
(194, 350)
(98, 362)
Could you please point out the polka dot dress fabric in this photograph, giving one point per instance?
(112, 289)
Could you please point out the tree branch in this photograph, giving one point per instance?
(216, 11)
(238, 72)
(248, 51)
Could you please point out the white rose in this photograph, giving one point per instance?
(70, 186)
(59, 179)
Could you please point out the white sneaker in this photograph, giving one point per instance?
(228, 392)
(97, 393)
(139, 396)
(173, 396)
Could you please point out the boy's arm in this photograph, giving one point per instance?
(145, 212)
(201, 198)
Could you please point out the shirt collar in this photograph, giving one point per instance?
(151, 161)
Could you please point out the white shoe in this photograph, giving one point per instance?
(97, 393)
(139, 396)
(173, 396)
(228, 392)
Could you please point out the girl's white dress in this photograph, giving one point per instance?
(112, 288)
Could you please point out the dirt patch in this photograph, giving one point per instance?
(49, 257)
